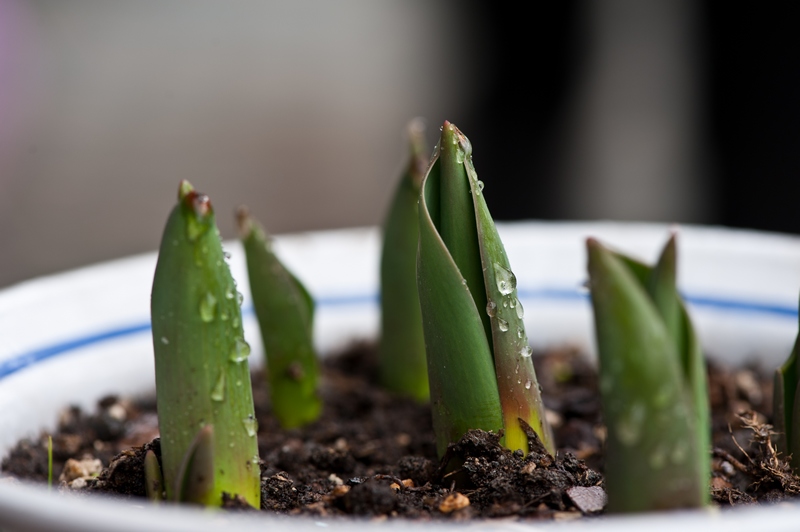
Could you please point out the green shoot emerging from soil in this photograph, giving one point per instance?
(285, 312)
(401, 353)
(652, 384)
(479, 360)
(205, 403)
(785, 407)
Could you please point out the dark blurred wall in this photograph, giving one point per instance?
(752, 109)
(701, 98)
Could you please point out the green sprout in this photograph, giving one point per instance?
(203, 393)
(285, 312)
(787, 424)
(479, 360)
(652, 384)
(401, 353)
(154, 481)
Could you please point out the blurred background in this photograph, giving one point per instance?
(664, 110)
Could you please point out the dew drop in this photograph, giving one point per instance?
(519, 309)
(491, 308)
(218, 393)
(526, 351)
(239, 298)
(165, 340)
(629, 424)
(235, 322)
(520, 332)
(678, 455)
(230, 293)
(208, 307)
(513, 302)
(502, 324)
(223, 316)
(527, 385)
(505, 304)
(506, 281)
(241, 350)
(250, 425)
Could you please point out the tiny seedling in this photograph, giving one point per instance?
(479, 360)
(652, 384)
(285, 312)
(401, 352)
(203, 393)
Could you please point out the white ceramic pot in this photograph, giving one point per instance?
(74, 337)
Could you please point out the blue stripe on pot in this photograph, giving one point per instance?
(24, 360)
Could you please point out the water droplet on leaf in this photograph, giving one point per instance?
(241, 350)
(502, 324)
(491, 308)
(629, 424)
(218, 393)
(250, 425)
(526, 351)
(506, 280)
(208, 307)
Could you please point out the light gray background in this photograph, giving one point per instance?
(298, 109)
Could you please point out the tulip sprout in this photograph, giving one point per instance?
(787, 424)
(285, 312)
(479, 360)
(203, 393)
(401, 352)
(652, 384)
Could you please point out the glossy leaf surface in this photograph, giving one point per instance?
(202, 375)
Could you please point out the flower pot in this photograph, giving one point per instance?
(74, 337)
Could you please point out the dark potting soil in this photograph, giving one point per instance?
(372, 453)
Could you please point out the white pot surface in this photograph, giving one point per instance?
(77, 336)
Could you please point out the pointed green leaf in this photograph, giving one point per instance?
(202, 375)
(401, 353)
(461, 372)
(654, 455)
(285, 312)
(472, 317)
(153, 480)
(516, 379)
(195, 480)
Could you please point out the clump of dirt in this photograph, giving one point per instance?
(372, 453)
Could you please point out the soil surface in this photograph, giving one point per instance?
(372, 453)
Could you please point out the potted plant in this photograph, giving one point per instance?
(59, 333)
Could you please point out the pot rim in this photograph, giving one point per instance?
(769, 308)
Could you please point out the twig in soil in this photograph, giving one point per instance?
(771, 467)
